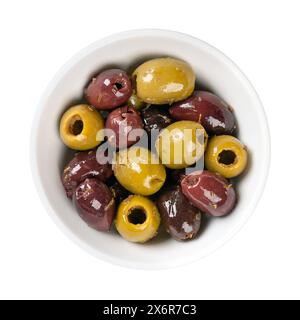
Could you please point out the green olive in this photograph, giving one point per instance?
(181, 144)
(226, 155)
(81, 127)
(164, 81)
(139, 171)
(137, 219)
(135, 102)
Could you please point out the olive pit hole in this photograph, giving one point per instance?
(227, 157)
(76, 125)
(119, 85)
(137, 215)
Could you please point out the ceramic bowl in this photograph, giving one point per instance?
(215, 72)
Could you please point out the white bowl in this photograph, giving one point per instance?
(216, 72)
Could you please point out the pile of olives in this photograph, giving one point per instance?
(151, 149)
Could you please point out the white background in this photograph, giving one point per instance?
(38, 261)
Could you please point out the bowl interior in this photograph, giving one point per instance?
(215, 72)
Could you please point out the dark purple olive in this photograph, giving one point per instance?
(209, 110)
(209, 192)
(95, 204)
(176, 175)
(119, 192)
(122, 122)
(84, 165)
(180, 219)
(155, 118)
(110, 89)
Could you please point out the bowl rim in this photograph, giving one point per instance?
(123, 36)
